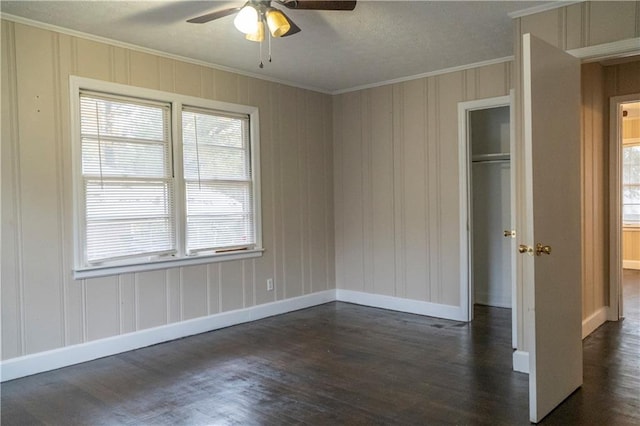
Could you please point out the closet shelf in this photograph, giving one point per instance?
(500, 156)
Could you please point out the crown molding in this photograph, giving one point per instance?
(600, 52)
(541, 8)
(137, 48)
(426, 74)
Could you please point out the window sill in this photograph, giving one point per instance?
(103, 271)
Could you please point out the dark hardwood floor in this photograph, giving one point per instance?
(334, 364)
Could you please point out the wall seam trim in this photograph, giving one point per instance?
(57, 100)
(17, 186)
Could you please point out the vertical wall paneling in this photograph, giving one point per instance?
(121, 65)
(231, 285)
(127, 303)
(451, 92)
(151, 295)
(329, 199)
(38, 189)
(71, 291)
(302, 140)
(143, 70)
(367, 192)
(11, 271)
(102, 307)
(381, 188)
(213, 285)
(338, 193)
(433, 185)
(414, 105)
(352, 207)
(226, 86)
(291, 202)
(626, 78)
(206, 83)
(166, 74)
(318, 207)
(174, 290)
(396, 189)
(92, 59)
(545, 25)
(399, 284)
(276, 192)
(194, 291)
(60, 122)
(573, 26)
(612, 22)
(42, 306)
(260, 96)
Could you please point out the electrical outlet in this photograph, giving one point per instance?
(270, 284)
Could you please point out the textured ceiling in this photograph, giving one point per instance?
(336, 51)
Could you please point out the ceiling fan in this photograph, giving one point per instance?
(253, 16)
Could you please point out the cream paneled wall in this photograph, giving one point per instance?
(631, 248)
(397, 183)
(595, 178)
(42, 306)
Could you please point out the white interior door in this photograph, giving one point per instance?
(552, 191)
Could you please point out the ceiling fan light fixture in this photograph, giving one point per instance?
(258, 35)
(247, 20)
(278, 23)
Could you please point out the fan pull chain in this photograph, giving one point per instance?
(269, 46)
(261, 64)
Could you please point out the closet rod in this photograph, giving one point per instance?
(490, 161)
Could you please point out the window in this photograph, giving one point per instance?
(631, 184)
(161, 180)
(217, 175)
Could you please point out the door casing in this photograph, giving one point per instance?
(466, 227)
(616, 306)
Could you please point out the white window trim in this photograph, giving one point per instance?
(81, 271)
(629, 226)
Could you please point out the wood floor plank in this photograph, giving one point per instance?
(336, 363)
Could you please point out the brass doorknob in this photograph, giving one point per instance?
(523, 248)
(542, 249)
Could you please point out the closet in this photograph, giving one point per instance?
(490, 184)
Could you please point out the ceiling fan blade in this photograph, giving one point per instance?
(319, 5)
(294, 28)
(213, 15)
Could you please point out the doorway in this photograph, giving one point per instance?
(625, 201)
(487, 205)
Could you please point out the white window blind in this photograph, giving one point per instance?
(218, 181)
(631, 184)
(127, 178)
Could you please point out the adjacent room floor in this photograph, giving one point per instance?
(335, 364)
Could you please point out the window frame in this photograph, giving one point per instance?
(635, 142)
(81, 269)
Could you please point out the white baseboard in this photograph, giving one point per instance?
(403, 305)
(62, 357)
(75, 354)
(487, 299)
(631, 264)
(521, 361)
(595, 320)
